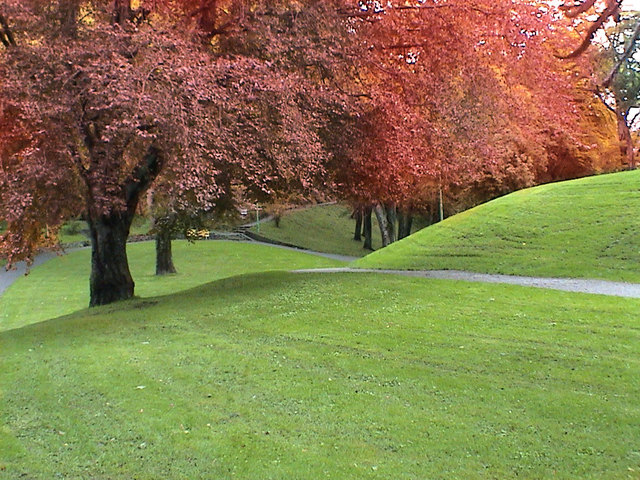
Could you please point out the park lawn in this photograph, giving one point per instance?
(586, 228)
(61, 285)
(306, 376)
(323, 228)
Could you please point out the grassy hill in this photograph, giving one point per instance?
(326, 228)
(307, 376)
(61, 285)
(586, 228)
(248, 371)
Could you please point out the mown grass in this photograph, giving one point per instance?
(350, 376)
(585, 228)
(61, 285)
(326, 228)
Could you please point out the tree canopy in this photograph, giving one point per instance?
(382, 103)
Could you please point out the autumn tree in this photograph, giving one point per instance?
(454, 95)
(270, 135)
(190, 96)
(109, 103)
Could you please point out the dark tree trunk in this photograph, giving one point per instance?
(122, 11)
(626, 141)
(366, 226)
(392, 218)
(68, 11)
(405, 221)
(164, 257)
(110, 276)
(111, 279)
(383, 223)
(6, 34)
(357, 214)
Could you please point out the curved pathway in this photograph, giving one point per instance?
(7, 277)
(600, 287)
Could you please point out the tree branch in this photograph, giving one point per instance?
(609, 107)
(576, 9)
(612, 8)
(627, 53)
(143, 175)
(633, 119)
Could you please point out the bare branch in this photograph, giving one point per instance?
(576, 9)
(613, 6)
(627, 53)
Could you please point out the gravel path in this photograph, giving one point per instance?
(600, 287)
(7, 277)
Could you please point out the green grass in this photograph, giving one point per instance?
(274, 375)
(326, 228)
(61, 285)
(587, 228)
(346, 376)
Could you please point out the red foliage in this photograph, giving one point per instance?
(459, 95)
(116, 99)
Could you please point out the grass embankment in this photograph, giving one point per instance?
(349, 376)
(61, 285)
(585, 228)
(325, 228)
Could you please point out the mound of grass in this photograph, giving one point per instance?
(585, 228)
(325, 228)
(313, 376)
(61, 285)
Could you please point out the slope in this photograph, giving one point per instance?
(586, 228)
(307, 376)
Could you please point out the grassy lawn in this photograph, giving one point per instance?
(61, 285)
(587, 228)
(326, 228)
(234, 368)
(347, 376)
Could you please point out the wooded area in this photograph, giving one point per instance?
(191, 108)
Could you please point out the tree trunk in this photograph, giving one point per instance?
(626, 141)
(122, 12)
(110, 279)
(381, 216)
(68, 11)
(405, 221)
(164, 257)
(358, 216)
(392, 218)
(366, 225)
